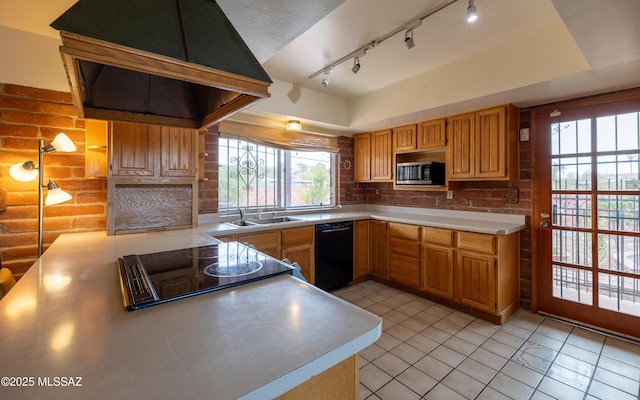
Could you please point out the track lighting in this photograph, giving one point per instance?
(472, 12)
(408, 39)
(356, 65)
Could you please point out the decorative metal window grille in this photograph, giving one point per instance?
(255, 177)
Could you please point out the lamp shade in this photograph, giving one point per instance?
(24, 172)
(55, 195)
(62, 143)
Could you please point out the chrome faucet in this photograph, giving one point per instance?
(242, 213)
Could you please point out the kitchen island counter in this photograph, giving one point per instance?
(65, 319)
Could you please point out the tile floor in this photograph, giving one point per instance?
(429, 351)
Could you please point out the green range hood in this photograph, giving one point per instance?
(166, 62)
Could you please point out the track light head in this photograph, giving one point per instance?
(325, 79)
(408, 39)
(472, 12)
(356, 65)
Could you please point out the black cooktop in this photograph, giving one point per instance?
(155, 278)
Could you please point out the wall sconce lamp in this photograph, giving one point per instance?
(28, 171)
(294, 125)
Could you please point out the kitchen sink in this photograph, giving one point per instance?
(261, 221)
(275, 220)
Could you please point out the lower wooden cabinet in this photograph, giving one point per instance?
(404, 254)
(379, 248)
(361, 249)
(297, 244)
(437, 261)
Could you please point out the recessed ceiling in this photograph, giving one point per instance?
(521, 51)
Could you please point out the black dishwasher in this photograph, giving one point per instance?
(334, 255)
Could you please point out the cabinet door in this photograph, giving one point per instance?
(404, 269)
(178, 152)
(432, 135)
(476, 281)
(491, 143)
(361, 254)
(461, 146)
(379, 255)
(404, 138)
(298, 246)
(437, 267)
(133, 148)
(381, 169)
(362, 157)
(96, 135)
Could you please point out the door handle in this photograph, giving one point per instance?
(544, 224)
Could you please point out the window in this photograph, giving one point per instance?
(258, 177)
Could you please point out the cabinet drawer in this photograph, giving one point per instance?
(402, 246)
(262, 240)
(437, 236)
(404, 231)
(477, 242)
(297, 236)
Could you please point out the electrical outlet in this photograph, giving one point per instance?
(450, 194)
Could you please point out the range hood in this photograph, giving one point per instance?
(166, 62)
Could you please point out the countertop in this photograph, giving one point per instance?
(64, 321)
(480, 222)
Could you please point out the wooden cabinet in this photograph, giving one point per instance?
(437, 261)
(432, 135)
(152, 179)
(153, 151)
(404, 138)
(379, 248)
(487, 272)
(298, 246)
(404, 254)
(361, 249)
(372, 156)
(267, 242)
(96, 135)
(484, 145)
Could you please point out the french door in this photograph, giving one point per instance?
(586, 216)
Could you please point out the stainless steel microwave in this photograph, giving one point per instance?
(420, 173)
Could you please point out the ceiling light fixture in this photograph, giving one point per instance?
(325, 79)
(356, 65)
(472, 12)
(294, 125)
(27, 171)
(408, 39)
(360, 52)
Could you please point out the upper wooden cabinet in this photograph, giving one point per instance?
(404, 138)
(432, 135)
(484, 145)
(152, 151)
(372, 157)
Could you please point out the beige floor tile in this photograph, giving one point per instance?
(546, 341)
(373, 377)
(620, 368)
(476, 370)
(559, 390)
(439, 310)
(508, 339)
(500, 349)
(395, 390)
(483, 328)
(391, 364)
(400, 332)
(530, 361)
(461, 346)
(417, 380)
(436, 334)
(492, 394)
(372, 352)
(554, 329)
(619, 382)
(433, 367)
(471, 336)
(427, 318)
(510, 387)
(408, 353)
(602, 391)
(414, 325)
(422, 343)
(573, 364)
(538, 350)
(364, 392)
(515, 330)
(538, 395)
(441, 392)
(569, 377)
(387, 341)
(488, 358)
(580, 354)
(447, 356)
(463, 384)
(394, 315)
(621, 350)
(448, 326)
(522, 374)
(410, 309)
(585, 339)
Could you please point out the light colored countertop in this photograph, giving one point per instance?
(65, 318)
(481, 222)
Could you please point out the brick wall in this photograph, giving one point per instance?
(26, 116)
